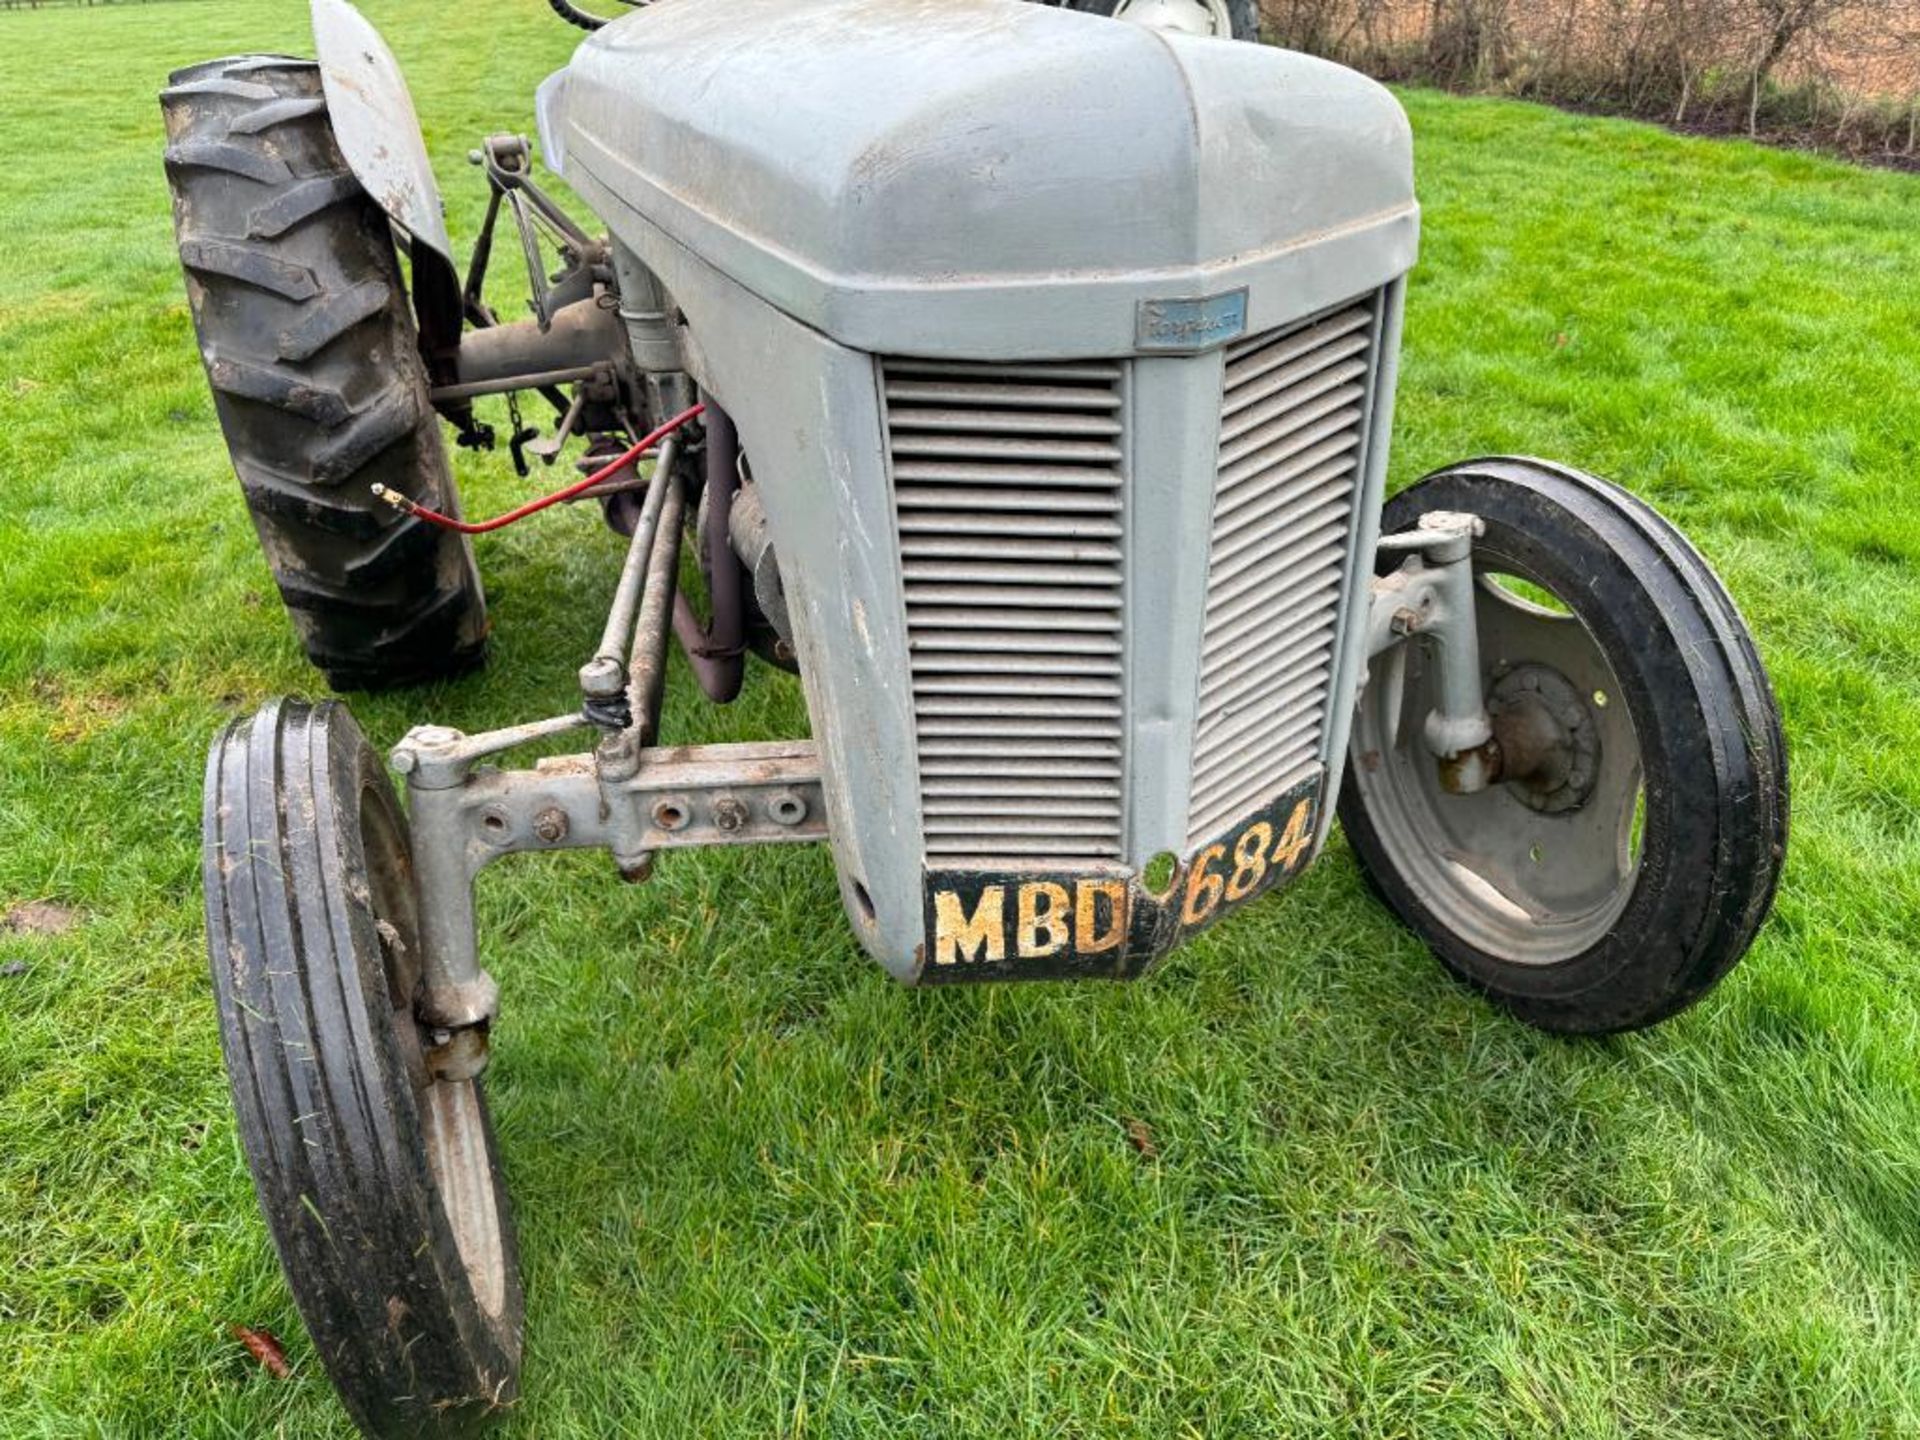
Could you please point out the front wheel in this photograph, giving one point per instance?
(379, 1182)
(1628, 855)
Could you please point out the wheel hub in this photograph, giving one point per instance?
(1549, 741)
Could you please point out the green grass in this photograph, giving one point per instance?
(764, 1191)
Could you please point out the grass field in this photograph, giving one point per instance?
(761, 1190)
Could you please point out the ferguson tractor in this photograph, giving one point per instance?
(1020, 377)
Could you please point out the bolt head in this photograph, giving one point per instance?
(550, 825)
(729, 813)
(603, 678)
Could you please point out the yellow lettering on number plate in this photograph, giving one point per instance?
(959, 936)
(995, 924)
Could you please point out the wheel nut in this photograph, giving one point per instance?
(551, 825)
(729, 813)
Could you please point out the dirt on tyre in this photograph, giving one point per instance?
(378, 1180)
(1631, 846)
(317, 378)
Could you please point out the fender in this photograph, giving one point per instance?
(378, 132)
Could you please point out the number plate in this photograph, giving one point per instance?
(1101, 920)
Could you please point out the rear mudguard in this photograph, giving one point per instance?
(379, 137)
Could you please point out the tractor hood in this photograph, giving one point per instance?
(878, 168)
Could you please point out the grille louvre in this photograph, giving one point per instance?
(1007, 494)
(1292, 414)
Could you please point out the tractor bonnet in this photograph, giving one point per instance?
(985, 175)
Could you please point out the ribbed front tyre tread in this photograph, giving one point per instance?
(330, 1116)
(1709, 731)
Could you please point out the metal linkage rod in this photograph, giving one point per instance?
(617, 759)
(603, 679)
(647, 663)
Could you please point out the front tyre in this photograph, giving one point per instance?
(1629, 855)
(379, 1182)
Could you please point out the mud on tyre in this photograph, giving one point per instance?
(316, 373)
(377, 1175)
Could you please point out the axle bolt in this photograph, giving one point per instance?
(551, 825)
(729, 813)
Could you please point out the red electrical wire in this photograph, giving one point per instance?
(565, 492)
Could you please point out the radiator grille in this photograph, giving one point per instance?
(1007, 486)
(1292, 420)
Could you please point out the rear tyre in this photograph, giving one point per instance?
(1230, 19)
(379, 1183)
(1632, 849)
(317, 378)
(1233, 19)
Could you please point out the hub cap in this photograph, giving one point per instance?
(1535, 869)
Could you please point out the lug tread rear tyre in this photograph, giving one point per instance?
(311, 353)
(1706, 720)
(326, 1109)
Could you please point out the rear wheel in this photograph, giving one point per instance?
(1631, 849)
(1231, 19)
(378, 1181)
(317, 378)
